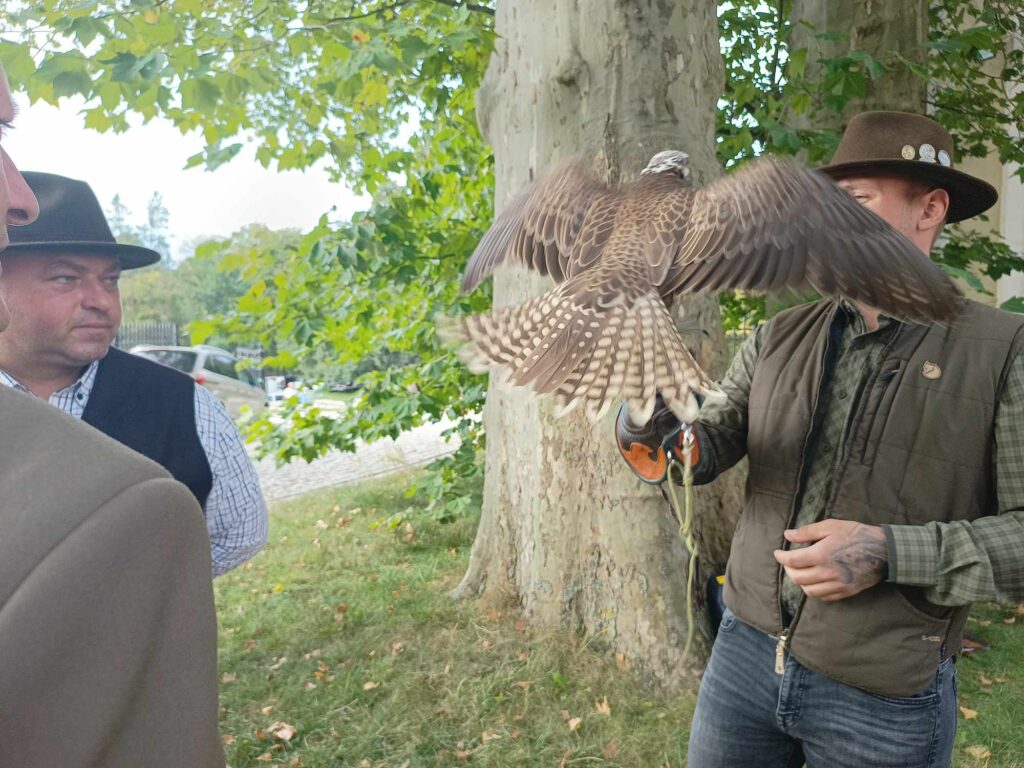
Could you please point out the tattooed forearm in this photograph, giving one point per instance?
(862, 560)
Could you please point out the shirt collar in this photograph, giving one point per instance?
(82, 385)
(857, 322)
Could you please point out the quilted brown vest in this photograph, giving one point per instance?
(918, 449)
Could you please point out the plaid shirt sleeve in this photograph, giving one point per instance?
(236, 514)
(964, 562)
(721, 428)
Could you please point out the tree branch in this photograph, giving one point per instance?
(476, 7)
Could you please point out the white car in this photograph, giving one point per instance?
(215, 369)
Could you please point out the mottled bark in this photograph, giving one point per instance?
(888, 30)
(567, 532)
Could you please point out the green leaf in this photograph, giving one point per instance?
(1016, 304)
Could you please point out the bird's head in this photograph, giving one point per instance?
(670, 161)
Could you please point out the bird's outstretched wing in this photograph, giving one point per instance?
(540, 227)
(776, 224)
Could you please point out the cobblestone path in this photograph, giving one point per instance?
(412, 449)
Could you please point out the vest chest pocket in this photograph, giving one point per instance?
(877, 408)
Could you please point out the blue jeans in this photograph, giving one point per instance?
(748, 716)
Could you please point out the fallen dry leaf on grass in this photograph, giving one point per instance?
(369, 686)
(621, 662)
(266, 757)
(1011, 620)
(487, 736)
(266, 709)
(282, 731)
(603, 707)
(228, 739)
(229, 677)
(574, 723)
(969, 714)
(979, 753)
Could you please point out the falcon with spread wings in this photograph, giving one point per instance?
(619, 257)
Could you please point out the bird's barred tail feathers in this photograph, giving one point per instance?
(587, 355)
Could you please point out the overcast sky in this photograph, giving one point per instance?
(152, 157)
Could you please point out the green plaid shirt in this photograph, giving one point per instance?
(956, 563)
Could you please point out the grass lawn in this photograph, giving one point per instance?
(340, 647)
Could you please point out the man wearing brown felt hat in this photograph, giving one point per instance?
(885, 495)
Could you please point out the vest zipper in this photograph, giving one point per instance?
(787, 631)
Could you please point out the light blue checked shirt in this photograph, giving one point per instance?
(236, 515)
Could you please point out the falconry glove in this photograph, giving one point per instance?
(650, 448)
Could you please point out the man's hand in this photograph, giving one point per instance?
(848, 558)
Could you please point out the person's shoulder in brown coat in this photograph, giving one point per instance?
(108, 655)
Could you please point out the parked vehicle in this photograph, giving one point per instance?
(215, 369)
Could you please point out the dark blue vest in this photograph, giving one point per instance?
(151, 409)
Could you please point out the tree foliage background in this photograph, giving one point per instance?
(382, 94)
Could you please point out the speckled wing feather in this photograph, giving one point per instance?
(604, 334)
(540, 227)
(775, 224)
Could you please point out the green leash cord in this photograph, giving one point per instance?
(685, 517)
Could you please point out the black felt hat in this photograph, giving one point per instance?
(72, 221)
(912, 146)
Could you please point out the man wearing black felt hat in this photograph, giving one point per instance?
(60, 282)
(885, 495)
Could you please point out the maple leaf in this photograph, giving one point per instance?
(229, 677)
(370, 685)
(228, 739)
(266, 710)
(603, 707)
(969, 714)
(266, 757)
(574, 723)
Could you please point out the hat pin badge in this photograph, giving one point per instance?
(907, 152)
(927, 152)
(931, 370)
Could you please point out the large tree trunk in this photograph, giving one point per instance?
(888, 30)
(567, 531)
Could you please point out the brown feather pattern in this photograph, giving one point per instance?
(604, 333)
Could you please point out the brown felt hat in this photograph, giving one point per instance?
(71, 221)
(910, 146)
